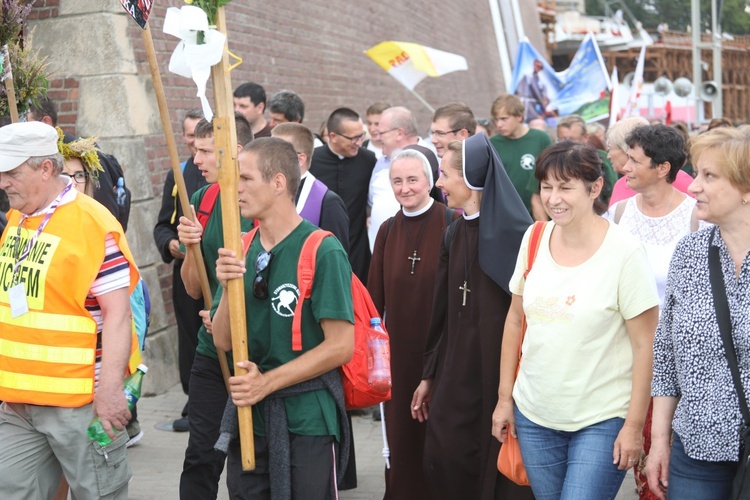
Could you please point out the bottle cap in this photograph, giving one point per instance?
(374, 321)
(143, 368)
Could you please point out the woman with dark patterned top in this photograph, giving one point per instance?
(692, 386)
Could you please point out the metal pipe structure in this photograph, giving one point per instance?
(717, 104)
(502, 46)
(695, 15)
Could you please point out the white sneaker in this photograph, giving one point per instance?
(134, 440)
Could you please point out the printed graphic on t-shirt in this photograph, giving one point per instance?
(551, 309)
(528, 162)
(284, 299)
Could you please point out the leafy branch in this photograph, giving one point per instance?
(210, 7)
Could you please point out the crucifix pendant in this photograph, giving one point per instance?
(466, 290)
(414, 260)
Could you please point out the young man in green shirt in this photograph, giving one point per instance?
(201, 470)
(269, 178)
(518, 147)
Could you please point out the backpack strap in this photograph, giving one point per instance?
(694, 222)
(388, 228)
(449, 212)
(208, 202)
(619, 210)
(305, 277)
(247, 239)
(450, 230)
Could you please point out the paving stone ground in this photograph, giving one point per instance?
(157, 460)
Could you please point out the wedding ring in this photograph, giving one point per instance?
(424, 404)
(632, 460)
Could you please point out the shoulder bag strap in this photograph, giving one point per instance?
(535, 241)
(718, 287)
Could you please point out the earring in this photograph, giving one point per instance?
(744, 201)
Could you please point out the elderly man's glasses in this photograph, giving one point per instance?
(260, 284)
(78, 177)
(440, 133)
(378, 132)
(356, 138)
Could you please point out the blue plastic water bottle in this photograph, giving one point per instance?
(120, 192)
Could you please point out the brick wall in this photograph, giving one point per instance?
(44, 9)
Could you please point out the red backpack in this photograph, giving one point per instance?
(206, 207)
(359, 392)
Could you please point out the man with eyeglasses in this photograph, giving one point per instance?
(296, 396)
(452, 122)
(345, 167)
(396, 130)
(66, 273)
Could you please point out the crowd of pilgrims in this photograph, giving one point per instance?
(596, 342)
(601, 352)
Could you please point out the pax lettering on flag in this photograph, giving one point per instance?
(139, 10)
(410, 63)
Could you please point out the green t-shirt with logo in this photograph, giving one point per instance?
(519, 158)
(269, 322)
(213, 239)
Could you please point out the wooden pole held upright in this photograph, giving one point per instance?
(225, 145)
(180, 183)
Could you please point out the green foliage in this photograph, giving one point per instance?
(210, 7)
(30, 80)
(676, 13)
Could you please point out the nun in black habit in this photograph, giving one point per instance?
(461, 367)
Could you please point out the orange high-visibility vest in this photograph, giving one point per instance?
(47, 355)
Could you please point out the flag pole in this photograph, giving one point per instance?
(225, 143)
(179, 181)
(422, 100)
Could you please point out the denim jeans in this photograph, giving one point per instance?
(690, 478)
(570, 465)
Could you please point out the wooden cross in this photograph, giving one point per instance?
(414, 260)
(466, 290)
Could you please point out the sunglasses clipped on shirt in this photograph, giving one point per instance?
(260, 283)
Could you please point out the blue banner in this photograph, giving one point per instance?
(581, 89)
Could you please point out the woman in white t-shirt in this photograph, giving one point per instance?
(579, 402)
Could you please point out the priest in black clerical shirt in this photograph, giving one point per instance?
(345, 167)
